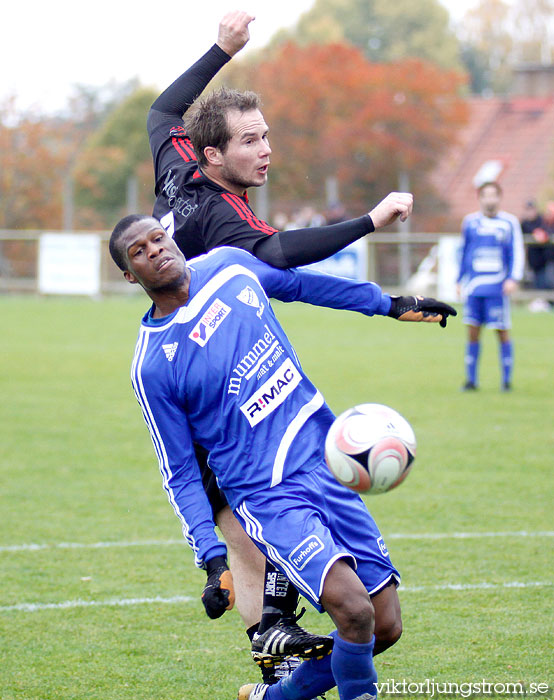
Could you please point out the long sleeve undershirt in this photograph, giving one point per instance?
(284, 248)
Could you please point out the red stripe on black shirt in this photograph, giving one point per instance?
(246, 214)
(184, 149)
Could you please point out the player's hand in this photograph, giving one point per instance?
(421, 309)
(219, 592)
(233, 32)
(509, 286)
(396, 205)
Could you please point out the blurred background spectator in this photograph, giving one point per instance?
(540, 252)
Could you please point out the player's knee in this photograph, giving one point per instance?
(387, 634)
(354, 617)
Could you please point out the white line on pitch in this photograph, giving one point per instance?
(165, 543)
(476, 586)
(89, 545)
(121, 602)
(464, 535)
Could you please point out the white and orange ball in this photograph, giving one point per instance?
(370, 448)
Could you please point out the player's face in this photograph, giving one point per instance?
(246, 159)
(153, 258)
(489, 198)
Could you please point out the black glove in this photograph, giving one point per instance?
(219, 593)
(421, 309)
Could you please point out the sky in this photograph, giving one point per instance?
(47, 46)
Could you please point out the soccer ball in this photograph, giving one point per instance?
(370, 448)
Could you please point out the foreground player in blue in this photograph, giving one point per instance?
(490, 270)
(213, 366)
(207, 154)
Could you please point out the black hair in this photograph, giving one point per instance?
(122, 226)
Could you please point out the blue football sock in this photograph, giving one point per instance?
(310, 679)
(472, 361)
(506, 361)
(353, 669)
(316, 676)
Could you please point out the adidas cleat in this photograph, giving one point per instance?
(252, 691)
(287, 638)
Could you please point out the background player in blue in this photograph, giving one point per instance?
(264, 425)
(491, 267)
(203, 203)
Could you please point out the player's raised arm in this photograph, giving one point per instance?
(233, 34)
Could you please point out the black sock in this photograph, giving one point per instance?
(280, 598)
(251, 631)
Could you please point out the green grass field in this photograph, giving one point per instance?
(470, 530)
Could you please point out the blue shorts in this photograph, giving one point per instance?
(307, 522)
(493, 312)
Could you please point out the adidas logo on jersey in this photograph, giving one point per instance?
(170, 350)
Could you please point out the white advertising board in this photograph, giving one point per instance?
(350, 262)
(69, 264)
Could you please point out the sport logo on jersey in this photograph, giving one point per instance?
(272, 393)
(307, 549)
(210, 322)
(170, 349)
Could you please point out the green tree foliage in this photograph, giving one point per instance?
(385, 31)
(534, 39)
(496, 36)
(485, 33)
(116, 152)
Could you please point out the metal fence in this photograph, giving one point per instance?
(394, 260)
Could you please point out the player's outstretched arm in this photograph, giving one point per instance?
(303, 246)
(396, 205)
(421, 309)
(321, 289)
(219, 592)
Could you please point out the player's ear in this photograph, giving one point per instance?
(212, 155)
(130, 277)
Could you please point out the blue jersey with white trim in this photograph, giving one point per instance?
(221, 372)
(492, 252)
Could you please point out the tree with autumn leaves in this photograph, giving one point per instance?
(332, 112)
(33, 157)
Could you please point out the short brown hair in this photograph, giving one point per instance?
(491, 183)
(206, 121)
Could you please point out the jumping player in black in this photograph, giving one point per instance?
(203, 169)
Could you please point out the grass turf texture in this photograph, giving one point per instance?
(77, 466)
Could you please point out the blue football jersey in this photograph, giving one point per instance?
(492, 252)
(220, 371)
